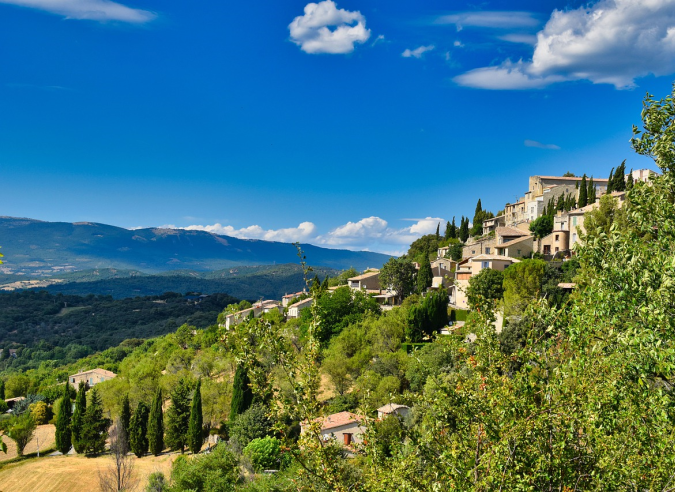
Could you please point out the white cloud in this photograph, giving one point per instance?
(311, 31)
(495, 19)
(539, 145)
(417, 52)
(368, 234)
(519, 38)
(304, 232)
(458, 44)
(97, 10)
(611, 42)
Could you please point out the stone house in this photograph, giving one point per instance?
(345, 427)
(490, 225)
(285, 301)
(91, 377)
(393, 409)
(473, 266)
(294, 309)
(369, 281)
(258, 309)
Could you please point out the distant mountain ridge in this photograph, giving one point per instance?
(38, 248)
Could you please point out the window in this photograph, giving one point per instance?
(557, 249)
(574, 238)
(557, 237)
(518, 252)
(486, 264)
(473, 251)
(487, 251)
(574, 221)
(73, 380)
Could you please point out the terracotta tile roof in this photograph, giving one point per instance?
(102, 372)
(510, 231)
(340, 419)
(365, 275)
(494, 257)
(513, 241)
(569, 178)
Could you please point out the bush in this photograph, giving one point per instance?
(265, 454)
(40, 412)
(251, 424)
(217, 471)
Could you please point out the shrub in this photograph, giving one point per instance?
(265, 454)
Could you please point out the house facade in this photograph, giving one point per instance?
(369, 281)
(345, 427)
(91, 378)
(258, 309)
(294, 309)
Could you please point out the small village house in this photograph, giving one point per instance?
(91, 377)
(295, 308)
(345, 427)
(393, 409)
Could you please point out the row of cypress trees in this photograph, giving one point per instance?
(86, 430)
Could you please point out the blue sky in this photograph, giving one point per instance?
(357, 124)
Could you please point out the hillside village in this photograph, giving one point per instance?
(350, 365)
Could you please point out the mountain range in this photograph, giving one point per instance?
(44, 249)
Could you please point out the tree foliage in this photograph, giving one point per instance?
(156, 424)
(399, 274)
(138, 430)
(77, 423)
(62, 434)
(485, 288)
(195, 431)
(94, 426)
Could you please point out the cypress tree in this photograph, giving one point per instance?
(583, 192)
(447, 231)
(156, 425)
(425, 276)
(629, 180)
(2, 386)
(138, 430)
(479, 208)
(63, 433)
(610, 182)
(125, 417)
(94, 425)
(453, 229)
(195, 433)
(242, 396)
(178, 417)
(620, 178)
(464, 229)
(591, 191)
(438, 231)
(77, 421)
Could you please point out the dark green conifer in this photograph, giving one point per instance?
(195, 433)
(591, 191)
(620, 178)
(610, 182)
(464, 229)
(2, 384)
(63, 432)
(242, 396)
(138, 431)
(77, 422)
(583, 192)
(629, 180)
(94, 426)
(453, 229)
(125, 417)
(156, 424)
(425, 276)
(438, 231)
(178, 417)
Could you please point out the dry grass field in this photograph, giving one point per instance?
(73, 473)
(44, 434)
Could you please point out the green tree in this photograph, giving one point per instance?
(620, 178)
(399, 275)
(21, 430)
(63, 432)
(446, 235)
(125, 418)
(522, 285)
(94, 425)
(77, 423)
(242, 396)
(456, 251)
(629, 181)
(178, 416)
(591, 191)
(610, 182)
(569, 174)
(156, 424)
(541, 226)
(426, 318)
(600, 220)
(265, 453)
(2, 382)
(438, 231)
(252, 424)
(464, 229)
(138, 430)
(195, 431)
(583, 193)
(214, 472)
(453, 229)
(425, 276)
(485, 288)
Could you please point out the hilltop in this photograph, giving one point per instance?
(37, 248)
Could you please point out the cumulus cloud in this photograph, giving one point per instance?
(539, 145)
(609, 42)
(494, 19)
(417, 52)
(97, 10)
(304, 232)
(368, 234)
(312, 32)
